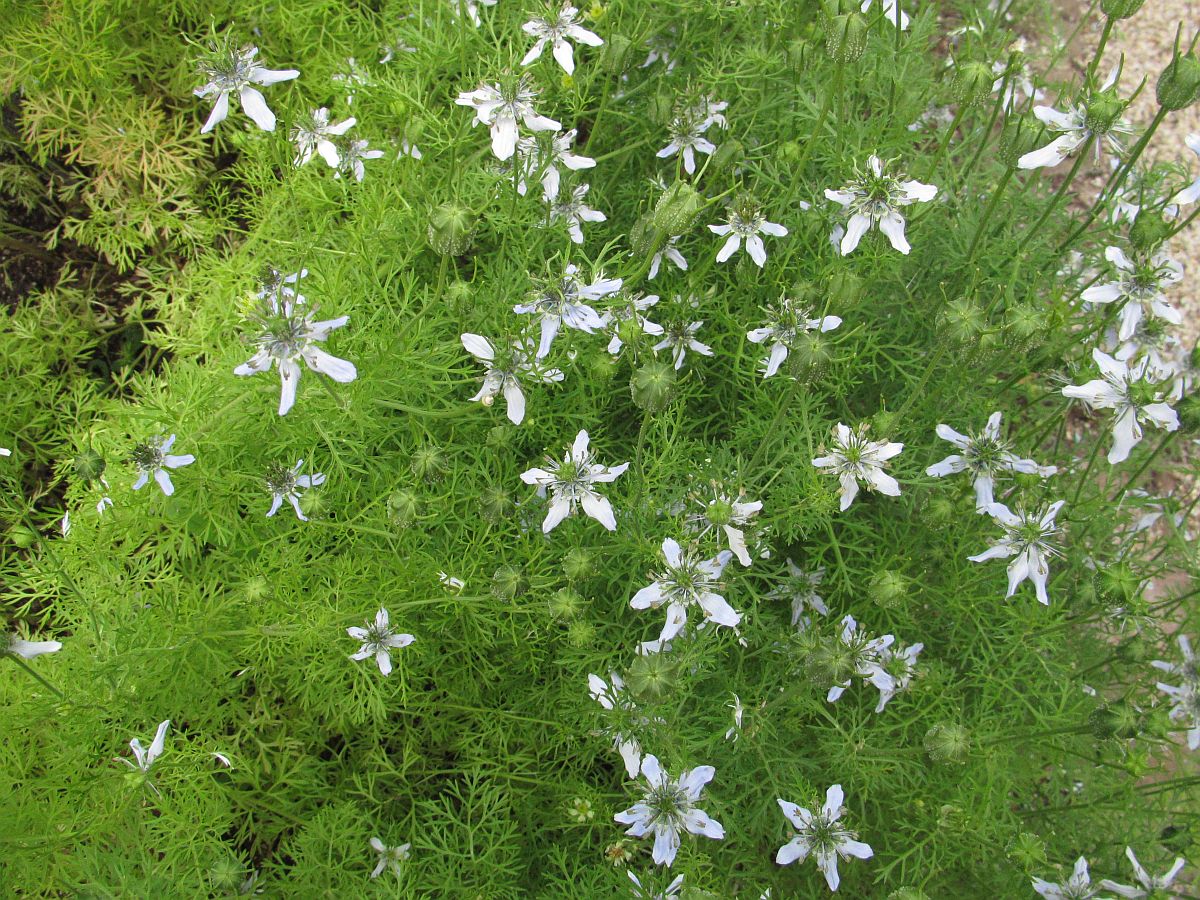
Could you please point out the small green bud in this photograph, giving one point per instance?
(23, 536)
(1103, 110)
(845, 288)
(677, 208)
(451, 229)
(728, 154)
(1119, 583)
(1028, 851)
(566, 604)
(661, 109)
(962, 320)
(495, 503)
(948, 743)
(500, 436)
(1020, 136)
(810, 355)
(580, 811)
(645, 238)
(581, 633)
(790, 152)
(1179, 84)
(652, 676)
(227, 874)
(1120, 9)
(602, 365)
(312, 504)
(1149, 230)
(89, 465)
(428, 462)
(973, 83)
(652, 385)
(461, 297)
(888, 589)
(885, 422)
(615, 58)
(908, 893)
(577, 564)
(828, 662)
(941, 510)
(402, 508)
(256, 588)
(507, 582)
(1121, 721)
(846, 36)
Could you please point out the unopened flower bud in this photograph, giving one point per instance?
(402, 508)
(566, 604)
(1027, 850)
(652, 676)
(888, 588)
(962, 320)
(578, 563)
(1102, 111)
(507, 582)
(89, 465)
(677, 208)
(973, 83)
(461, 297)
(1149, 230)
(451, 229)
(948, 743)
(581, 633)
(1120, 9)
(652, 385)
(1179, 84)
(226, 874)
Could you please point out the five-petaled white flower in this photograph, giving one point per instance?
(570, 484)
(670, 892)
(505, 369)
(314, 136)
(389, 857)
(27, 649)
(723, 512)
(544, 158)
(1186, 696)
(745, 221)
(900, 665)
(352, 160)
(152, 458)
(627, 320)
(228, 70)
(500, 106)
(286, 333)
(687, 579)
(146, 757)
(670, 253)
(891, 11)
(800, 588)
(875, 199)
(680, 337)
(555, 28)
(821, 834)
(861, 655)
(1191, 193)
(670, 808)
(1077, 887)
(615, 697)
(1139, 288)
(561, 302)
(1097, 120)
(1136, 394)
(575, 211)
(1029, 537)
(378, 640)
(739, 711)
(853, 458)
(687, 129)
(787, 321)
(286, 484)
(472, 7)
(985, 456)
(1148, 885)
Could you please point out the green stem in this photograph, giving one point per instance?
(946, 138)
(993, 202)
(28, 668)
(1058, 195)
(1104, 36)
(1087, 471)
(834, 87)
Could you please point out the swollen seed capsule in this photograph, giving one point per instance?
(973, 83)
(451, 229)
(652, 386)
(948, 743)
(89, 465)
(1179, 84)
(677, 208)
(1120, 9)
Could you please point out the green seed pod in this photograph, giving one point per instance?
(616, 56)
(1179, 84)
(1019, 137)
(677, 209)
(1027, 850)
(846, 37)
(507, 582)
(1119, 583)
(962, 320)
(256, 588)
(661, 109)
(1149, 230)
(885, 422)
(451, 229)
(652, 676)
(948, 743)
(810, 355)
(501, 436)
(653, 385)
(729, 154)
(973, 83)
(888, 588)
(312, 504)
(941, 510)
(908, 893)
(1120, 9)
(429, 463)
(578, 563)
(402, 508)
(1122, 722)
(495, 503)
(227, 874)
(790, 152)
(1025, 321)
(581, 633)
(89, 466)
(601, 366)
(645, 238)
(1103, 110)
(845, 288)
(23, 536)
(461, 297)
(566, 604)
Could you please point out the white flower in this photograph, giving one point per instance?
(570, 484)
(1191, 193)
(669, 808)
(537, 157)
(616, 319)
(821, 834)
(378, 640)
(286, 334)
(1189, 669)
(688, 579)
(723, 512)
(1148, 885)
(1186, 697)
(746, 222)
(29, 649)
(891, 11)
(505, 371)
(352, 79)
(389, 857)
(555, 29)
(230, 70)
(985, 456)
(408, 149)
(863, 654)
(4, 451)
(1077, 887)
(612, 697)
(314, 136)
(786, 322)
(1134, 397)
(286, 484)
(668, 252)
(560, 302)
(574, 212)
(800, 588)
(450, 583)
(352, 160)
(1075, 130)
(145, 758)
(1028, 537)
(472, 9)
(670, 892)
(901, 665)
(687, 136)
(735, 731)
(681, 337)
(853, 458)
(1017, 86)
(153, 459)
(388, 51)
(875, 199)
(1139, 288)
(500, 106)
